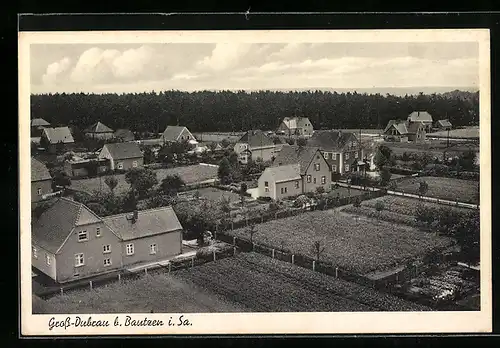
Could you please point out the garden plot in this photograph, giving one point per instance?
(352, 243)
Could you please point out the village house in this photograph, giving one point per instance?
(124, 135)
(296, 170)
(297, 126)
(421, 116)
(342, 150)
(443, 125)
(41, 181)
(37, 126)
(99, 131)
(173, 134)
(70, 242)
(253, 145)
(122, 156)
(57, 140)
(404, 131)
(82, 167)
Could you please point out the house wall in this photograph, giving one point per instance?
(40, 261)
(186, 135)
(324, 171)
(128, 163)
(92, 250)
(261, 185)
(265, 153)
(291, 189)
(348, 158)
(418, 137)
(167, 244)
(333, 159)
(101, 136)
(44, 185)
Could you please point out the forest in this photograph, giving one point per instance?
(228, 111)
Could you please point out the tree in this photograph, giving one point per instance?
(276, 140)
(320, 190)
(111, 182)
(290, 141)
(379, 206)
(233, 159)
(301, 142)
(357, 202)
(98, 208)
(224, 143)
(383, 157)
(172, 184)
(141, 180)
(423, 188)
(318, 249)
(467, 160)
(467, 233)
(212, 146)
(224, 171)
(129, 201)
(60, 179)
(385, 176)
(225, 209)
(243, 188)
(149, 156)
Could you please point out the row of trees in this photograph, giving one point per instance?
(240, 111)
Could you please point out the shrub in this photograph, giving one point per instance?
(264, 199)
(357, 202)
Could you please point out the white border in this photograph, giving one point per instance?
(267, 323)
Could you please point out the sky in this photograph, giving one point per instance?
(123, 68)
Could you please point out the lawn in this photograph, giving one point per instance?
(190, 174)
(360, 245)
(223, 286)
(218, 136)
(215, 194)
(444, 188)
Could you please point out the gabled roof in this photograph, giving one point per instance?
(58, 134)
(123, 150)
(301, 155)
(296, 122)
(400, 126)
(334, 140)
(36, 122)
(125, 134)
(54, 225)
(283, 173)
(420, 116)
(98, 127)
(255, 139)
(414, 126)
(444, 123)
(39, 171)
(172, 133)
(149, 223)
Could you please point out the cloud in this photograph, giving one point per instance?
(55, 70)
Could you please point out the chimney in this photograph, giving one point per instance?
(135, 216)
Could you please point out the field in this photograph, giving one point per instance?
(215, 195)
(360, 245)
(247, 282)
(190, 175)
(444, 188)
(471, 132)
(344, 192)
(434, 147)
(218, 136)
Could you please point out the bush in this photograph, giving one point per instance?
(357, 202)
(264, 199)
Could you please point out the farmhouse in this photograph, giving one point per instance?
(403, 131)
(342, 150)
(37, 126)
(41, 181)
(174, 134)
(442, 125)
(300, 126)
(57, 139)
(71, 242)
(122, 156)
(295, 170)
(421, 116)
(253, 145)
(124, 135)
(99, 131)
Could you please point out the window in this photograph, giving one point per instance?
(82, 236)
(296, 184)
(331, 155)
(79, 260)
(106, 249)
(120, 165)
(98, 232)
(316, 166)
(107, 262)
(334, 156)
(39, 191)
(130, 249)
(346, 167)
(47, 259)
(267, 189)
(152, 249)
(266, 183)
(308, 178)
(35, 253)
(314, 180)
(282, 191)
(334, 168)
(285, 189)
(134, 164)
(317, 157)
(323, 180)
(346, 155)
(356, 154)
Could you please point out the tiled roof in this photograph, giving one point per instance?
(36, 122)
(284, 173)
(301, 155)
(123, 150)
(420, 116)
(256, 139)
(52, 228)
(125, 134)
(149, 223)
(444, 123)
(98, 127)
(58, 134)
(172, 133)
(400, 126)
(331, 140)
(39, 171)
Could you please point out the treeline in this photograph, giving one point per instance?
(239, 111)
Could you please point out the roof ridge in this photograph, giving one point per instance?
(167, 207)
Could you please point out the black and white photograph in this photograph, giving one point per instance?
(188, 182)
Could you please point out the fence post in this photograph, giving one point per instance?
(145, 271)
(232, 225)
(314, 265)
(293, 259)
(273, 253)
(253, 246)
(397, 277)
(62, 291)
(119, 277)
(90, 282)
(192, 261)
(336, 272)
(234, 251)
(234, 241)
(169, 267)
(214, 255)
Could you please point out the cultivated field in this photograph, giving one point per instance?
(444, 188)
(215, 194)
(218, 136)
(350, 242)
(342, 192)
(471, 132)
(190, 174)
(433, 147)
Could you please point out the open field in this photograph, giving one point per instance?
(351, 243)
(218, 136)
(470, 132)
(434, 147)
(342, 192)
(444, 188)
(190, 174)
(215, 194)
